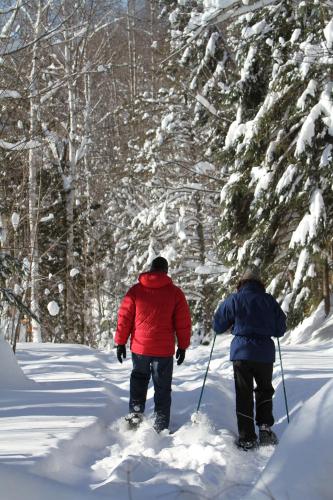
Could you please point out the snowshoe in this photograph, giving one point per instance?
(247, 445)
(161, 423)
(134, 420)
(266, 436)
(160, 428)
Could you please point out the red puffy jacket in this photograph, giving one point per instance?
(154, 312)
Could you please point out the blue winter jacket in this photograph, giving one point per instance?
(254, 317)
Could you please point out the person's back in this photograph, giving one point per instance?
(157, 310)
(254, 317)
(256, 311)
(153, 314)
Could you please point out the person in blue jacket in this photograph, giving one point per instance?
(254, 316)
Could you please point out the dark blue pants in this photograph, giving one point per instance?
(161, 371)
(245, 373)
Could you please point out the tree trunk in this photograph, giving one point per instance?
(206, 288)
(3, 230)
(152, 47)
(326, 287)
(34, 162)
(131, 47)
(70, 183)
(87, 244)
(17, 332)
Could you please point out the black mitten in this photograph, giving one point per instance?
(180, 356)
(121, 352)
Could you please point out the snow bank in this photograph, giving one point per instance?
(11, 375)
(315, 329)
(302, 466)
(17, 484)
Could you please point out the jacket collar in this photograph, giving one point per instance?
(253, 286)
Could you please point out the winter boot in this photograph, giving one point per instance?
(134, 420)
(266, 436)
(247, 445)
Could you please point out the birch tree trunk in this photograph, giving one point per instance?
(69, 187)
(86, 327)
(34, 162)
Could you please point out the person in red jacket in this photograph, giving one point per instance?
(153, 314)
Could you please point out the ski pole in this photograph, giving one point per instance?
(204, 382)
(283, 383)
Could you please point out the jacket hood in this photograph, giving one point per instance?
(154, 279)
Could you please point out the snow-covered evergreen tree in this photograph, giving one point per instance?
(278, 151)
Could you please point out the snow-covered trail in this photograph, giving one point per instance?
(66, 430)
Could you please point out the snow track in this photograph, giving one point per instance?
(65, 432)
(196, 461)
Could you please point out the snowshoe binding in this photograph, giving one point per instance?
(266, 436)
(134, 420)
(247, 445)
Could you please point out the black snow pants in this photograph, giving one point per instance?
(245, 373)
(160, 368)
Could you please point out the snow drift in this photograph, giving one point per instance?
(11, 375)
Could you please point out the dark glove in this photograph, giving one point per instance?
(121, 352)
(180, 356)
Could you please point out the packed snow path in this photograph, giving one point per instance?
(64, 438)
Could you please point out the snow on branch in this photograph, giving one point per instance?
(301, 267)
(13, 94)
(308, 227)
(19, 146)
(226, 9)
(4, 33)
(44, 36)
(82, 149)
(328, 32)
(220, 11)
(206, 104)
(323, 107)
(15, 300)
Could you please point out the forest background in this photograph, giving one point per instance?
(197, 130)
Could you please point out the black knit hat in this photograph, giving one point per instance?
(251, 273)
(159, 264)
